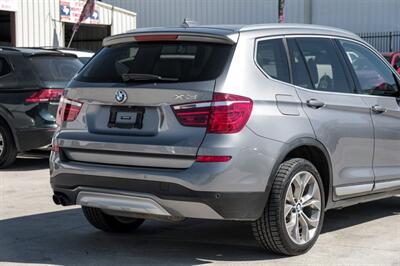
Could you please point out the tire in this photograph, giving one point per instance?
(8, 150)
(109, 223)
(273, 229)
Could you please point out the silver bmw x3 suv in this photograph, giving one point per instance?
(271, 124)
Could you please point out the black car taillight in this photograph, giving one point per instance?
(68, 110)
(225, 114)
(45, 95)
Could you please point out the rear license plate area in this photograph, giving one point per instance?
(126, 117)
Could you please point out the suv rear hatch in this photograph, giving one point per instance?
(135, 100)
(54, 71)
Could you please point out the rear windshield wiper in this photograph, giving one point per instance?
(145, 77)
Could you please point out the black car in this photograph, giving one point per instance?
(31, 84)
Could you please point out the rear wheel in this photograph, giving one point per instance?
(109, 223)
(293, 217)
(8, 151)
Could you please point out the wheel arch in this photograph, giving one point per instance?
(313, 151)
(6, 118)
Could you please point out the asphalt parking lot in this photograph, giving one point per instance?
(35, 231)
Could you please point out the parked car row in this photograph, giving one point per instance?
(271, 124)
(32, 81)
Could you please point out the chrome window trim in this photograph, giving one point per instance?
(332, 37)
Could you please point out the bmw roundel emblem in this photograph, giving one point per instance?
(121, 96)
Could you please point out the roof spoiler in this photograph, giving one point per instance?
(169, 36)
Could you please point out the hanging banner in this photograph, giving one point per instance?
(8, 5)
(70, 11)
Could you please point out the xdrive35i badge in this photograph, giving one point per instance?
(121, 96)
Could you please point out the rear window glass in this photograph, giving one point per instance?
(168, 61)
(50, 68)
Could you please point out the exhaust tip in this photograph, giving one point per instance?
(56, 200)
(60, 200)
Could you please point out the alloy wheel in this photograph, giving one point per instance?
(302, 210)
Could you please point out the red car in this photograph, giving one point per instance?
(394, 60)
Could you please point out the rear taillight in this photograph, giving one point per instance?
(225, 114)
(45, 95)
(68, 110)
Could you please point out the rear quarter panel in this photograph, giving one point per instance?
(277, 110)
(276, 121)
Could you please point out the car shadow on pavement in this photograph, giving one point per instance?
(65, 238)
(29, 162)
(360, 213)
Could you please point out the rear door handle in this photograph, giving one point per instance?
(378, 109)
(314, 103)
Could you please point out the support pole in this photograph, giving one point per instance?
(281, 8)
(308, 11)
(72, 37)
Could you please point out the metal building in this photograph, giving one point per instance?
(34, 23)
(354, 15)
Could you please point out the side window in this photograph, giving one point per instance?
(271, 57)
(374, 76)
(300, 73)
(5, 68)
(326, 70)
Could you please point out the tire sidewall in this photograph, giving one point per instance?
(302, 165)
(7, 143)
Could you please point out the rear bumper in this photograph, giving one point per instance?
(153, 198)
(29, 139)
(234, 190)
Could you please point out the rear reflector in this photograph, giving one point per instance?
(225, 114)
(154, 38)
(45, 95)
(68, 110)
(212, 159)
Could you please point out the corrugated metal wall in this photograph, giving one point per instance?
(354, 15)
(37, 22)
(122, 21)
(172, 12)
(358, 15)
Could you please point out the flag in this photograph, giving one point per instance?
(87, 11)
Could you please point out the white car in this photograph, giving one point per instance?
(83, 55)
